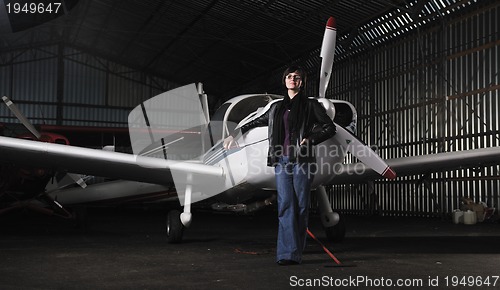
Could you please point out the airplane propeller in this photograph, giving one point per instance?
(332, 222)
(364, 153)
(20, 116)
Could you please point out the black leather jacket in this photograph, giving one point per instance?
(317, 127)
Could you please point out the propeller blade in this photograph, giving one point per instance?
(364, 153)
(21, 117)
(327, 54)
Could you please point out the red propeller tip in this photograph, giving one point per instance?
(331, 23)
(389, 173)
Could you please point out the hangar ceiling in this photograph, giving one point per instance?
(224, 44)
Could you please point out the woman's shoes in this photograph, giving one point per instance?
(287, 262)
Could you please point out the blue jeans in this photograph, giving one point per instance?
(293, 182)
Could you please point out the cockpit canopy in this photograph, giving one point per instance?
(231, 113)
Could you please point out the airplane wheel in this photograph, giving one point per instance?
(175, 228)
(337, 232)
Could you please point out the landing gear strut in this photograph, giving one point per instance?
(177, 221)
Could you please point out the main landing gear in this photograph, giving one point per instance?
(177, 221)
(333, 223)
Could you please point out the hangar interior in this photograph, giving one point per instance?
(422, 74)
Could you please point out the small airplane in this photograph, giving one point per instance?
(187, 152)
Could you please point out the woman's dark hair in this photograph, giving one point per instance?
(299, 70)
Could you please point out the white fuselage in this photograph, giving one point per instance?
(244, 169)
(246, 166)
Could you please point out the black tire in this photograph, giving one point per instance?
(337, 232)
(174, 228)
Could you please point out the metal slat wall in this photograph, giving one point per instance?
(436, 90)
(28, 75)
(60, 85)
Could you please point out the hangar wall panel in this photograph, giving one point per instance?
(84, 84)
(27, 75)
(436, 90)
(62, 85)
(35, 79)
(93, 116)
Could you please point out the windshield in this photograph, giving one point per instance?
(241, 109)
(171, 125)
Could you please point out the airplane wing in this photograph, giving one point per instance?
(359, 172)
(98, 162)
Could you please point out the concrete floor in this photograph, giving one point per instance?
(126, 249)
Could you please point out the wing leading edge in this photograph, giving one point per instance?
(98, 162)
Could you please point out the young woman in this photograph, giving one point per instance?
(295, 124)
